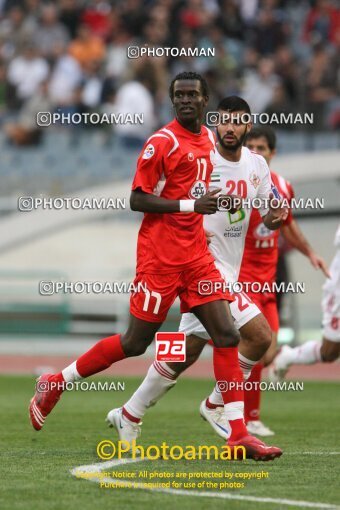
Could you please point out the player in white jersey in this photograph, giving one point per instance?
(238, 172)
(250, 178)
(315, 351)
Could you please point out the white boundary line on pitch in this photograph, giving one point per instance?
(101, 466)
(312, 453)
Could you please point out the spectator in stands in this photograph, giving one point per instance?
(51, 32)
(70, 16)
(269, 32)
(16, 29)
(194, 16)
(155, 33)
(319, 85)
(134, 16)
(135, 97)
(280, 103)
(65, 77)
(287, 69)
(98, 15)
(26, 131)
(92, 85)
(2, 91)
(322, 23)
(26, 72)
(116, 61)
(87, 48)
(230, 20)
(259, 85)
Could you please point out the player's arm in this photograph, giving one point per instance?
(293, 234)
(147, 202)
(276, 215)
(273, 212)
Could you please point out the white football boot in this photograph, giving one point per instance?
(127, 430)
(259, 429)
(217, 419)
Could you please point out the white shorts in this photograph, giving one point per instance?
(331, 315)
(242, 311)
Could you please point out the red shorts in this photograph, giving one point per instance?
(156, 292)
(268, 306)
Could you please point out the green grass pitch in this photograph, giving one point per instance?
(35, 466)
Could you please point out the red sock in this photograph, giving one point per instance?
(252, 397)
(100, 356)
(227, 368)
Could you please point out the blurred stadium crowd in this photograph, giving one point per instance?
(71, 56)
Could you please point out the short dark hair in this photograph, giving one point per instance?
(189, 75)
(267, 132)
(234, 104)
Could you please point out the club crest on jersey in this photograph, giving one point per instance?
(198, 189)
(149, 151)
(262, 232)
(255, 180)
(191, 157)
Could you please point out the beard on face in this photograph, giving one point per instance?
(238, 143)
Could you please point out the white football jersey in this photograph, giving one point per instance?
(249, 178)
(332, 285)
(337, 238)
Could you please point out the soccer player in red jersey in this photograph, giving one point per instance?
(170, 187)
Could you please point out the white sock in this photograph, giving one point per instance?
(215, 397)
(159, 379)
(70, 373)
(307, 353)
(246, 365)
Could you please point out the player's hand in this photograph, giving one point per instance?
(236, 203)
(319, 263)
(208, 236)
(229, 203)
(208, 203)
(279, 212)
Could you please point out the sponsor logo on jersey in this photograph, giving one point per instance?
(233, 231)
(149, 151)
(191, 157)
(236, 217)
(255, 180)
(198, 189)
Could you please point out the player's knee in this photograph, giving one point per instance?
(258, 336)
(228, 337)
(190, 359)
(265, 337)
(132, 347)
(329, 355)
(193, 352)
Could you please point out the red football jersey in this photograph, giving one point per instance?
(261, 245)
(174, 164)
